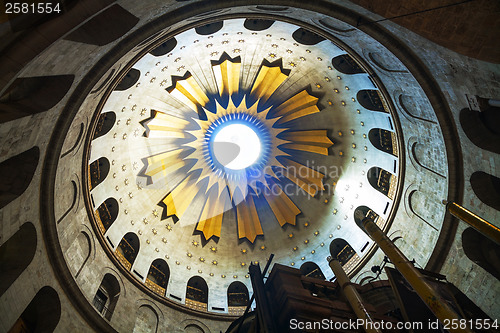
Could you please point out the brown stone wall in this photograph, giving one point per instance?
(470, 28)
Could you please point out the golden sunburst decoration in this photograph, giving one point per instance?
(226, 189)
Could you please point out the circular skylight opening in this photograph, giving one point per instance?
(236, 146)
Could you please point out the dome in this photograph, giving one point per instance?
(174, 145)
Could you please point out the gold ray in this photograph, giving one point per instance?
(227, 75)
(315, 141)
(161, 165)
(267, 81)
(210, 222)
(304, 177)
(249, 226)
(300, 105)
(181, 196)
(188, 91)
(165, 126)
(282, 206)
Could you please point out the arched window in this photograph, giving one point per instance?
(146, 320)
(106, 214)
(164, 48)
(487, 188)
(306, 37)
(128, 249)
(197, 293)
(482, 128)
(340, 249)
(42, 314)
(105, 123)
(209, 28)
(31, 95)
(16, 174)
(310, 269)
(98, 170)
(129, 79)
(16, 254)
(258, 24)
(371, 100)
(158, 275)
(237, 295)
(107, 295)
(347, 65)
(481, 250)
(383, 181)
(384, 140)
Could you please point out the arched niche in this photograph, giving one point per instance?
(311, 269)
(42, 314)
(487, 188)
(306, 37)
(158, 275)
(16, 174)
(383, 181)
(481, 250)
(362, 212)
(258, 24)
(16, 254)
(99, 170)
(79, 252)
(197, 293)
(346, 64)
(371, 100)
(481, 129)
(146, 320)
(107, 295)
(210, 28)
(127, 249)
(384, 140)
(164, 47)
(237, 295)
(341, 250)
(107, 213)
(129, 79)
(105, 122)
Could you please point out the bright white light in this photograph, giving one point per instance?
(236, 146)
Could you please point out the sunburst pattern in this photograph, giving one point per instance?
(224, 190)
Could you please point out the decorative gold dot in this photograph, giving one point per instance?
(306, 241)
(292, 264)
(224, 42)
(147, 241)
(213, 249)
(353, 159)
(211, 274)
(364, 136)
(330, 67)
(177, 263)
(303, 258)
(275, 46)
(341, 153)
(195, 243)
(223, 276)
(247, 276)
(346, 88)
(124, 136)
(326, 201)
(322, 244)
(308, 51)
(362, 123)
(316, 233)
(157, 250)
(202, 259)
(353, 99)
(343, 103)
(330, 102)
(272, 55)
(235, 276)
(199, 271)
(242, 264)
(339, 78)
(319, 58)
(335, 211)
(188, 267)
(306, 224)
(289, 51)
(364, 161)
(331, 236)
(237, 50)
(214, 262)
(262, 247)
(189, 254)
(318, 85)
(313, 251)
(244, 251)
(139, 232)
(295, 248)
(302, 59)
(353, 145)
(155, 231)
(164, 240)
(290, 235)
(352, 132)
(292, 64)
(336, 90)
(365, 148)
(268, 35)
(340, 133)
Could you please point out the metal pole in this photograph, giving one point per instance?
(477, 222)
(441, 309)
(352, 295)
(263, 308)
